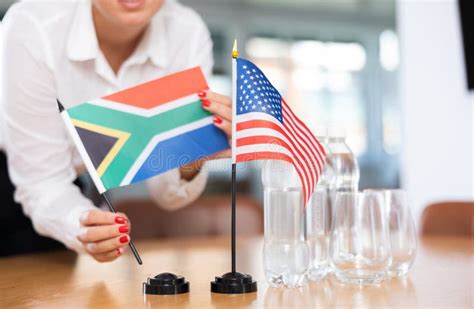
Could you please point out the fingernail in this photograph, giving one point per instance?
(217, 120)
(91, 246)
(123, 229)
(82, 233)
(83, 217)
(206, 103)
(119, 251)
(201, 94)
(123, 239)
(120, 220)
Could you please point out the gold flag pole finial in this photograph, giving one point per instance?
(235, 51)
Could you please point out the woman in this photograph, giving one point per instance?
(76, 51)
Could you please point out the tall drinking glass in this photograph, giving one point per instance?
(285, 252)
(402, 232)
(316, 234)
(359, 249)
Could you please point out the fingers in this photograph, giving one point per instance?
(224, 125)
(221, 107)
(100, 247)
(97, 233)
(217, 104)
(104, 235)
(109, 256)
(99, 217)
(220, 110)
(212, 96)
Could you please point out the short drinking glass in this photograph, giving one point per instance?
(359, 248)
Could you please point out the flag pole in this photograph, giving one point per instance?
(233, 236)
(234, 282)
(235, 55)
(97, 182)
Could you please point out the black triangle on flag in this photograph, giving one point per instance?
(97, 145)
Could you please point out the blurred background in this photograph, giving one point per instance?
(390, 73)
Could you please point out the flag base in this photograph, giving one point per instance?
(166, 284)
(234, 283)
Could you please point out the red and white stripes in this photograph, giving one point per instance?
(260, 136)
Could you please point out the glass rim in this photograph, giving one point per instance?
(394, 190)
(359, 193)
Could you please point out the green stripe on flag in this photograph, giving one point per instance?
(142, 130)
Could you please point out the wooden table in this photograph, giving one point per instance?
(442, 276)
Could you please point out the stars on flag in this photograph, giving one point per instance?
(256, 94)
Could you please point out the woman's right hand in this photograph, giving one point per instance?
(104, 235)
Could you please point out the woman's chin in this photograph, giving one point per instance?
(137, 19)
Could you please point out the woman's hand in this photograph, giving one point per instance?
(104, 235)
(221, 107)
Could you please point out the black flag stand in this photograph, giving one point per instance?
(234, 282)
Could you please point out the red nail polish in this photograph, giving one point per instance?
(119, 251)
(217, 120)
(120, 220)
(206, 103)
(123, 239)
(123, 229)
(201, 94)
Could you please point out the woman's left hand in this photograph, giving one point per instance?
(221, 107)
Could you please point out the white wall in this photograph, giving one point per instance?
(438, 113)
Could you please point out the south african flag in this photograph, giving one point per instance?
(144, 131)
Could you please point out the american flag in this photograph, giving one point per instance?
(266, 128)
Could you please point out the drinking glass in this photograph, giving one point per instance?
(402, 232)
(359, 247)
(285, 252)
(316, 239)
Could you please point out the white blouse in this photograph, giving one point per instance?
(51, 51)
